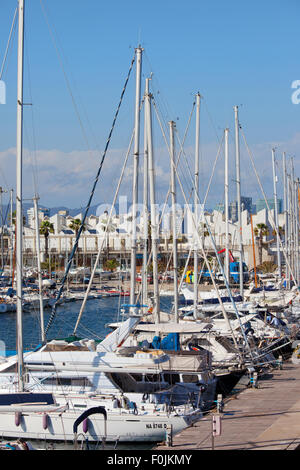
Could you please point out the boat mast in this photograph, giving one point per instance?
(19, 215)
(294, 219)
(38, 251)
(145, 208)
(289, 230)
(226, 205)
(196, 200)
(276, 213)
(11, 233)
(253, 250)
(135, 172)
(154, 229)
(174, 228)
(285, 211)
(238, 189)
(297, 225)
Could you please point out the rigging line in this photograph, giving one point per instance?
(214, 167)
(4, 178)
(8, 43)
(268, 207)
(169, 189)
(33, 169)
(106, 231)
(162, 100)
(34, 163)
(90, 198)
(59, 55)
(206, 260)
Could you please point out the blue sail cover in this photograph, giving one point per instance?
(169, 343)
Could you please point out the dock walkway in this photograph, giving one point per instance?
(263, 418)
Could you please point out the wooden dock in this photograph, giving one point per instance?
(263, 418)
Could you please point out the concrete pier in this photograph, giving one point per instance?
(263, 418)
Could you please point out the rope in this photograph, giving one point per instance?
(8, 43)
(104, 237)
(89, 201)
(268, 207)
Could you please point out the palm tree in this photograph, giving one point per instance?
(75, 225)
(280, 231)
(260, 231)
(13, 218)
(108, 227)
(46, 228)
(111, 264)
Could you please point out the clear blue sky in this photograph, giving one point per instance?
(244, 53)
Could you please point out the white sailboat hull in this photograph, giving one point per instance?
(119, 427)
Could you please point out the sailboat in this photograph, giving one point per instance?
(56, 393)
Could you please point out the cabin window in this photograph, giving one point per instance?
(203, 342)
(172, 378)
(190, 378)
(137, 377)
(67, 382)
(152, 378)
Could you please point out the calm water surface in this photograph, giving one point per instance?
(97, 313)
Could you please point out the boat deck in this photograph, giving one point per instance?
(263, 418)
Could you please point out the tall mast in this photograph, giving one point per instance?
(289, 230)
(38, 252)
(297, 227)
(174, 231)
(154, 228)
(293, 237)
(285, 210)
(19, 215)
(296, 231)
(226, 205)
(238, 192)
(276, 212)
(196, 200)
(135, 172)
(11, 233)
(145, 207)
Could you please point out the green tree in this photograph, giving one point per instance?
(267, 267)
(45, 229)
(111, 264)
(261, 231)
(280, 231)
(13, 217)
(75, 225)
(108, 227)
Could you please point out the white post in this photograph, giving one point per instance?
(238, 189)
(226, 205)
(19, 215)
(135, 172)
(174, 231)
(196, 201)
(154, 228)
(38, 255)
(276, 213)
